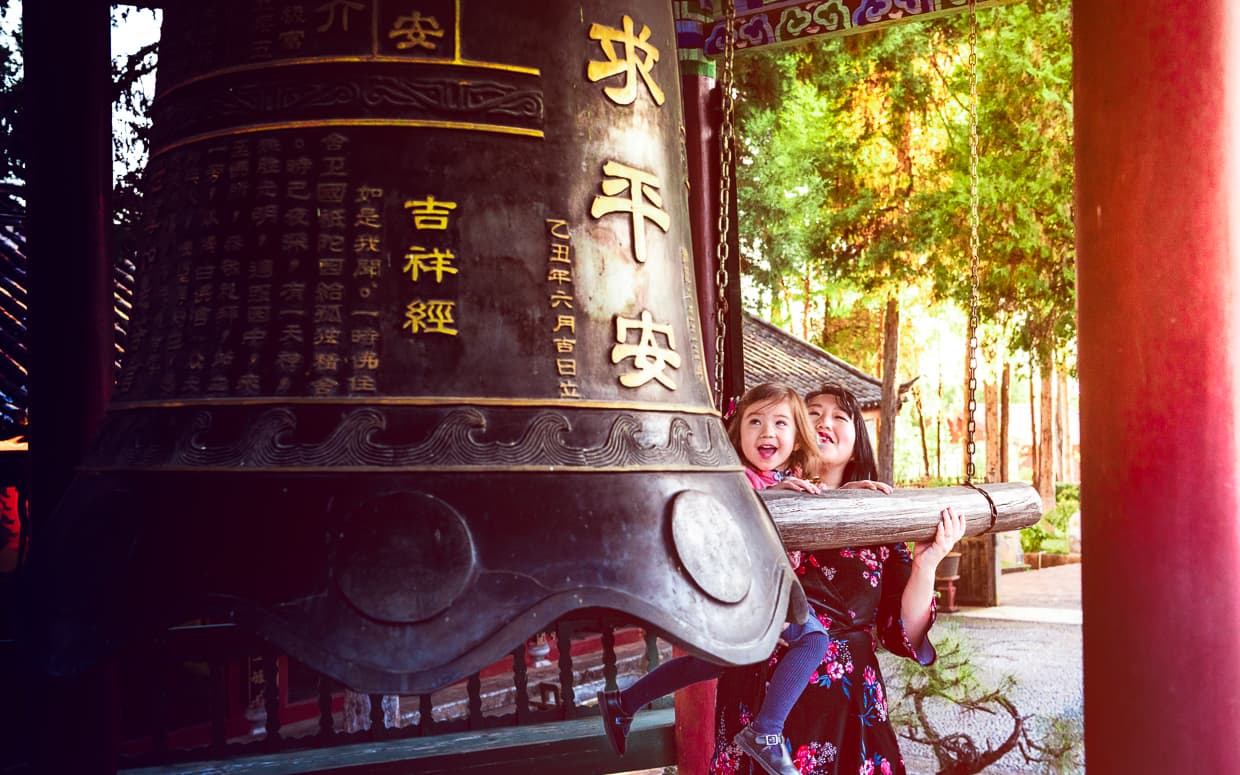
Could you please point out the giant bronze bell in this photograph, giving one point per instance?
(414, 366)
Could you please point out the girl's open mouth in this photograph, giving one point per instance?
(767, 450)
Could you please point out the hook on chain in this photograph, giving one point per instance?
(994, 510)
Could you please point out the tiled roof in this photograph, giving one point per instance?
(14, 358)
(774, 355)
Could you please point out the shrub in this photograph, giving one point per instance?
(1036, 539)
(1032, 538)
(1052, 744)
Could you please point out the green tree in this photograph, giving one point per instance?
(1027, 288)
(836, 148)
(854, 177)
(12, 94)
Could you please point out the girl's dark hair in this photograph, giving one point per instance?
(862, 464)
(804, 459)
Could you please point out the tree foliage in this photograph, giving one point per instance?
(1025, 178)
(854, 172)
(12, 95)
(131, 103)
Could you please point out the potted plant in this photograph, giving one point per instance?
(945, 577)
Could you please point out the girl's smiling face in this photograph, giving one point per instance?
(836, 432)
(768, 435)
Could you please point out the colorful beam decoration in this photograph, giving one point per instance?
(761, 23)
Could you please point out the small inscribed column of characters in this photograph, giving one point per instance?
(560, 300)
(332, 193)
(182, 264)
(263, 217)
(290, 33)
(227, 170)
(262, 44)
(364, 316)
(427, 263)
(225, 274)
(290, 288)
(628, 72)
(280, 29)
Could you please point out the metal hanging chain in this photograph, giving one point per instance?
(726, 146)
(970, 471)
(974, 282)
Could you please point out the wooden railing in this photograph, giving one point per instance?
(453, 724)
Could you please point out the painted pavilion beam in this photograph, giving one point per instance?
(766, 23)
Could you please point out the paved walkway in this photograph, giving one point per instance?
(1051, 595)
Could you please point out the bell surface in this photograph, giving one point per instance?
(415, 365)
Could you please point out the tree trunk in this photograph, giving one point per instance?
(1005, 417)
(991, 392)
(1057, 455)
(785, 305)
(921, 424)
(826, 322)
(938, 431)
(1046, 440)
(1033, 425)
(805, 305)
(891, 400)
(1063, 434)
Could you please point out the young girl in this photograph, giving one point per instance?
(839, 723)
(775, 438)
(772, 433)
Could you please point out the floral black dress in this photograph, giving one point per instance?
(839, 725)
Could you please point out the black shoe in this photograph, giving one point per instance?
(766, 750)
(616, 722)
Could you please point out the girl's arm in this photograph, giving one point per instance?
(800, 485)
(866, 484)
(918, 593)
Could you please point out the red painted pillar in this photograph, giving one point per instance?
(1157, 103)
(69, 187)
(702, 119)
(67, 115)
